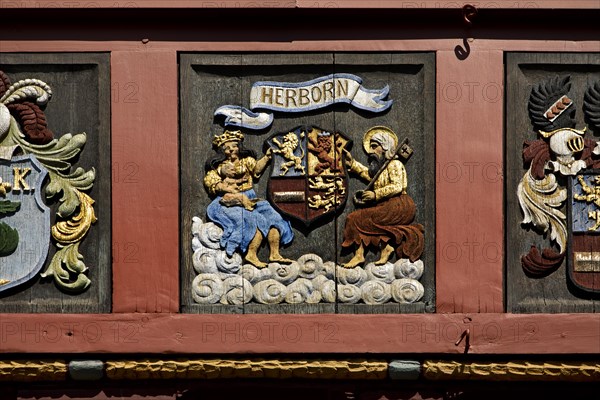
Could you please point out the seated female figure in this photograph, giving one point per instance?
(245, 219)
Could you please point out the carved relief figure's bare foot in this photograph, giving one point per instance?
(354, 262)
(274, 256)
(252, 254)
(253, 259)
(280, 259)
(385, 255)
(359, 258)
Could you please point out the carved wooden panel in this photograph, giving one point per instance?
(552, 157)
(311, 119)
(56, 162)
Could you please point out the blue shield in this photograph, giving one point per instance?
(583, 263)
(24, 220)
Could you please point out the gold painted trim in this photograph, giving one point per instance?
(57, 370)
(274, 369)
(28, 371)
(546, 135)
(586, 262)
(512, 371)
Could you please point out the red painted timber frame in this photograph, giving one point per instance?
(300, 4)
(300, 334)
(469, 285)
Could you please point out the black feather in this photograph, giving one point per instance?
(542, 97)
(591, 106)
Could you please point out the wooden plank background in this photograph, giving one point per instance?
(553, 293)
(211, 80)
(80, 85)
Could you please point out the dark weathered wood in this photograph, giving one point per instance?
(230, 83)
(81, 98)
(412, 87)
(388, 308)
(212, 309)
(320, 308)
(207, 82)
(211, 80)
(552, 293)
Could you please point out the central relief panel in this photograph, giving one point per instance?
(307, 183)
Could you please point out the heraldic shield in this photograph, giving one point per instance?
(584, 244)
(308, 180)
(24, 220)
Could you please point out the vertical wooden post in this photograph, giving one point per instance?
(145, 190)
(469, 149)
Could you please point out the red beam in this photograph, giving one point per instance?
(293, 334)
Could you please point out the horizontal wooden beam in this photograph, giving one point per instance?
(301, 4)
(295, 334)
(20, 45)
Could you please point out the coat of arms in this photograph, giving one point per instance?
(34, 166)
(560, 192)
(308, 179)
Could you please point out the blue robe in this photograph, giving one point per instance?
(240, 225)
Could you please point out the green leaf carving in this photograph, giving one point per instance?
(73, 266)
(8, 207)
(9, 240)
(69, 185)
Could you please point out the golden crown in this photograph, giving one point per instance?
(228, 136)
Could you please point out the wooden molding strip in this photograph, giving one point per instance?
(28, 371)
(357, 369)
(257, 368)
(512, 371)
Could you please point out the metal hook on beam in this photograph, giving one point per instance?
(469, 14)
(466, 336)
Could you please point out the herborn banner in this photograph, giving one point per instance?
(300, 97)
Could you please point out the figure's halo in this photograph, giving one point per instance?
(374, 130)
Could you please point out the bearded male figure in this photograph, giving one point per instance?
(386, 221)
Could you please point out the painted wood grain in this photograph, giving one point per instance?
(574, 334)
(353, 4)
(469, 182)
(145, 200)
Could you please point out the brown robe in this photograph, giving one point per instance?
(390, 220)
